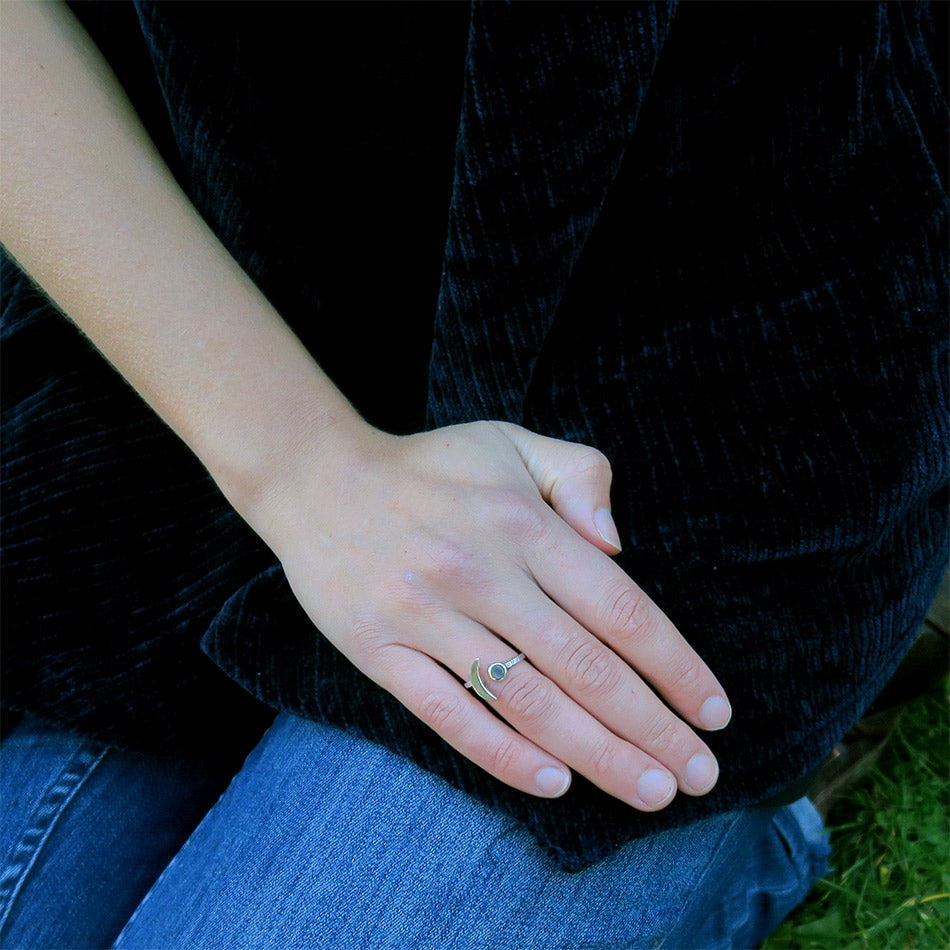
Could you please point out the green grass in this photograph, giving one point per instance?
(890, 881)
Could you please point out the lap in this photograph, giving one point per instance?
(324, 840)
(85, 830)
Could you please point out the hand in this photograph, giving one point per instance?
(415, 555)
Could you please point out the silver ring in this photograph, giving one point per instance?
(497, 671)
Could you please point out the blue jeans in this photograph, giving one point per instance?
(323, 840)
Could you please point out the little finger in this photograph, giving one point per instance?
(600, 682)
(438, 699)
(541, 712)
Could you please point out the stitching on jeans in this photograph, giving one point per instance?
(171, 866)
(714, 852)
(166, 871)
(55, 800)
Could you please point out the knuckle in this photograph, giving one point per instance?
(592, 669)
(444, 559)
(530, 700)
(503, 757)
(406, 594)
(513, 511)
(442, 713)
(603, 758)
(590, 462)
(369, 636)
(686, 675)
(627, 615)
(662, 735)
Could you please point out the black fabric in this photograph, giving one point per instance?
(320, 148)
(709, 239)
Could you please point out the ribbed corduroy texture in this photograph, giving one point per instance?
(709, 240)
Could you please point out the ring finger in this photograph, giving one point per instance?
(603, 684)
(537, 708)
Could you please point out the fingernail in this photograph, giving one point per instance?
(715, 713)
(604, 522)
(701, 772)
(655, 787)
(551, 781)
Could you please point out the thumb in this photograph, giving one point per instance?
(574, 479)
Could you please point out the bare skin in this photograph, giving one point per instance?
(413, 555)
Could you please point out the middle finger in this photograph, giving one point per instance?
(597, 680)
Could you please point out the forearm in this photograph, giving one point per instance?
(93, 214)
(413, 555)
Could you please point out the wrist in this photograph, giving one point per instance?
(299, 440)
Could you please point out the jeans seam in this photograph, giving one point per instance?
(165, 872)
(697, 886)
(45, 816)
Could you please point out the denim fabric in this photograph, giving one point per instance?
(85, 830)
(708, 238)
(326, 841)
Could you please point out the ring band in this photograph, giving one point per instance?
(497, 671)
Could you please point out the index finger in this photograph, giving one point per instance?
(590, 587)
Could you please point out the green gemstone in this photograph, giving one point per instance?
(497, 671)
